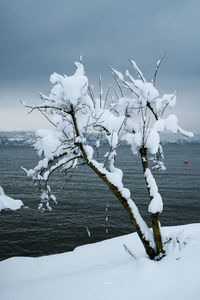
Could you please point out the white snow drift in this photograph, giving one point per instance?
(105, 271)
(9, 203)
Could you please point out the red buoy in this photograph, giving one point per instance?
(186, 161)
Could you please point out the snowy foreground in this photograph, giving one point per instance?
(106, 271)
(9, 203)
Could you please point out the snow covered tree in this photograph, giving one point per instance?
(77, 115)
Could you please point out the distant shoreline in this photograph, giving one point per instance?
(28, 138)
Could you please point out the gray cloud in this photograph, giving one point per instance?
(40, 37)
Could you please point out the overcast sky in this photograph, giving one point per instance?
(39, 37)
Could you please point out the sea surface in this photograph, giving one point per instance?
(80, 214)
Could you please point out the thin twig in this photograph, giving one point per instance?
(129, 251)
(138, 71)
(116, 93)
(106, 96)
(127, 85)
(100, 90)
(46, 117)
(122, 94)
(157, 67)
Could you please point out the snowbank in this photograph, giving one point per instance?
(9, 203)
(105, 271)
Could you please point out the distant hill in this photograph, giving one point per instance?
(27, 138)
(174, 138)
(17, 138)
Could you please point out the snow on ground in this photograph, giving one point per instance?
(9, 203)
(105, 271)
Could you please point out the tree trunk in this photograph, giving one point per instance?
(154, 217)
(149, 250)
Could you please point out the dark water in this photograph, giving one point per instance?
(83, 199)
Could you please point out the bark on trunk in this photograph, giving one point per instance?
(149, 250)
(154, 217)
